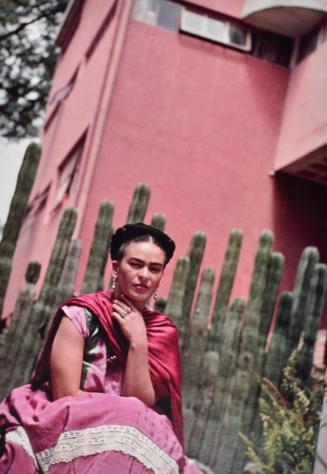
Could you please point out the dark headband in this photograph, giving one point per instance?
(131, 231)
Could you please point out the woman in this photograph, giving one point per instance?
(106, 393)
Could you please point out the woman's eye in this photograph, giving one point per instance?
(135, 265)
(155, 269)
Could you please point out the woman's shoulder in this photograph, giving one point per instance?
(82, 318)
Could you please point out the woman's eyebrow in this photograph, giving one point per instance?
(139, 260)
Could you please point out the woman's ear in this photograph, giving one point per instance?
(115, 265)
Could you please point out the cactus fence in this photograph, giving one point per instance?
(222, 365)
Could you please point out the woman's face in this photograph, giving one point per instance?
(139, 271)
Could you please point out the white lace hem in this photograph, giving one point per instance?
(19, 436)
(89, 441)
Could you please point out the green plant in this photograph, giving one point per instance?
(290, 422)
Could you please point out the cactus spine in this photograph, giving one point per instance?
(16, 215)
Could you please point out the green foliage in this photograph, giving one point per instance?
(290, 421)
(28, 29)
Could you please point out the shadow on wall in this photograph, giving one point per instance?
(299, 220)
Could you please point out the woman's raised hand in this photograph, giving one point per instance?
(130, 320)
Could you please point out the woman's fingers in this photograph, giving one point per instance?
(122, 309)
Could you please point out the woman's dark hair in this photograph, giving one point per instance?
(140, 233)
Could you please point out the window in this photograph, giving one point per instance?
(272, 47)
(162, 13)
(103, 28)
(68, 171)
(311, 41)
(214, 29)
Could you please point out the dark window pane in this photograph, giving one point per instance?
(308, 44)
(169, 15)
(237, 35)
(273, 48)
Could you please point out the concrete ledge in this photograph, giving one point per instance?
(287, 17)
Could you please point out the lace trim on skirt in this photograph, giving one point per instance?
(89, 441)
(19, 436)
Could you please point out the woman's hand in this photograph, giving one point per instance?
(137, 380)
(131, 321)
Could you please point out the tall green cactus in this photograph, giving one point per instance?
(311, 324)
(202, 400)
(46, 303)
(93, 278)
(274, 275)
(139, 204)
(195, 254)
(225, 286)
(158, 221)
(231, 335)
(13, 357)
(278, 350)
(308, 260)
(16, 215)
(174, 306)
(196, 337)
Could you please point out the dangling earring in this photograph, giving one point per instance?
(113, 283)
(155, 296)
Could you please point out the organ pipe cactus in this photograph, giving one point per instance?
(46, 304)
(225, 286)
(231, 334)
(195, 254)
(139, 204)
(311, 324)
(93, 278)
(196, 337)
(158, 221)
(174, 306)
(274, 275)
(308, 260)
(221, 368)
(278, 350)
(201, 404)
(14, 358)
(16, 214)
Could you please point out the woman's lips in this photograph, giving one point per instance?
(140, 287)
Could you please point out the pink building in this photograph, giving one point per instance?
(219, 105)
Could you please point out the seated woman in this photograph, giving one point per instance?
(106, 393)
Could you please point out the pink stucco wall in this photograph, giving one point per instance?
(199, 124)
(304, 126)
(227, 7)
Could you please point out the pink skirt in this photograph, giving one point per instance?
(93, 433)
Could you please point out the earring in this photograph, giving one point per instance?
(155, 296)
(113, 282)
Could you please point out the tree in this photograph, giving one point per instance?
(28, 29)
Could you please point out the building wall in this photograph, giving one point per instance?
(304, 126)
(227, 7)
(198, 122)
